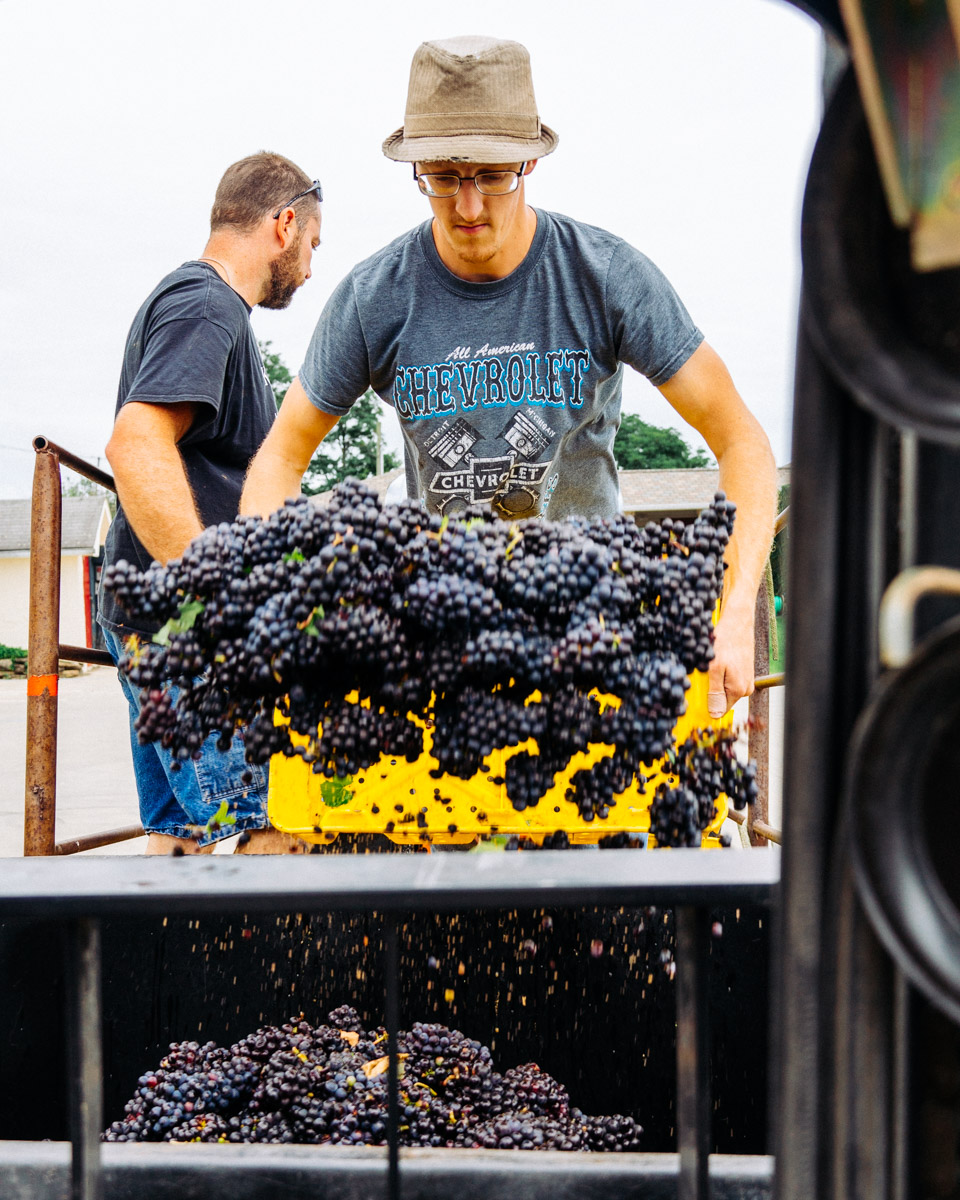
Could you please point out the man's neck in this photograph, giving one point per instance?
(236, 265)
(508, 257)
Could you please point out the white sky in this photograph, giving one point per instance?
(685, 127)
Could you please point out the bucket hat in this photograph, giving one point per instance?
(470, 99)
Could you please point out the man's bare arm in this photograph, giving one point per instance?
(703, 394)
(151, 481)
(277, 468)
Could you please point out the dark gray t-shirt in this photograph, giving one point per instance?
(192, 341)
(507, 392)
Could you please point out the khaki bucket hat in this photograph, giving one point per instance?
(470, 99)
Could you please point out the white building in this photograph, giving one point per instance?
(86, 520)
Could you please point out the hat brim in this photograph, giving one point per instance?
(469, 148)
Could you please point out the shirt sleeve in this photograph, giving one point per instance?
(652, 329)
(183, 360)
(336, 370)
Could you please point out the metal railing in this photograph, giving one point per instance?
(83, 894)
(45, 652)
(756, 818)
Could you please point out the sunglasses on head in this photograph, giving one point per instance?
(314, 187)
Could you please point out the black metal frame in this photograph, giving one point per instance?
(35, 1170)
(80, 891)
(875, 470)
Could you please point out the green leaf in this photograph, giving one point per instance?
(185, 619)
(335, 792)
(296, 556)
(308, 626)
(189, 611)
(223, 816)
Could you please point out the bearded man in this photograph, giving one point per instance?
(194, 404)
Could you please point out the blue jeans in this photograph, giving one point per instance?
(181, 803)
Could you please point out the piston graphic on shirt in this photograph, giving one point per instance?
(452, 442)
(511, 482)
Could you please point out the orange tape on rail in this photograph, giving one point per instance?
(38, 684)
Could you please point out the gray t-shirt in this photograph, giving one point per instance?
(507, 392)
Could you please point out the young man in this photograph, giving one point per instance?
(194, 405)
(498, 332)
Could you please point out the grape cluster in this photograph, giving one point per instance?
(328, 1084)
(489, 633)
(705, 765)
(192, 1088)
(675, 817)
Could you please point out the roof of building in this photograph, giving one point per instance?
(677, 492)
(379, 483)
(84, 524)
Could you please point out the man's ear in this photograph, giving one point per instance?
(286, 227)
(530, 165)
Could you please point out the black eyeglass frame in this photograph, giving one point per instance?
(314, 187)
(518, 175)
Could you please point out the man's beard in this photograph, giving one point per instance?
(285, 277)
(472, 250)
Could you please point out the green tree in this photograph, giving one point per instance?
(277, 372)
(72, 484)
(778, 553)
(639, 446)
(351, 446)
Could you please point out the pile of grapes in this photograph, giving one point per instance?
(456, 622)
(328, 1083)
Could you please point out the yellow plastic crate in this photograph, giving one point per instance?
(402, 800)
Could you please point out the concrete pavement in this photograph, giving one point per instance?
(95, 786)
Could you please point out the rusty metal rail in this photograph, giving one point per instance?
(761, 828)
(93, 841)
(43, 445)
(84, 654)
(43, 657)
(45, 653)
(758, 737)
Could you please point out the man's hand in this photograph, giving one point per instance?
(731, 672)
(277, 468)
(151, 481)
(703, 394)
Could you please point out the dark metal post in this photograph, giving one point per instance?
(86, 1061)
(43, 658)
(393, 1066)
(693, 1056)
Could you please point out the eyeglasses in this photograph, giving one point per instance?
(487, 183)
(314, 187)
